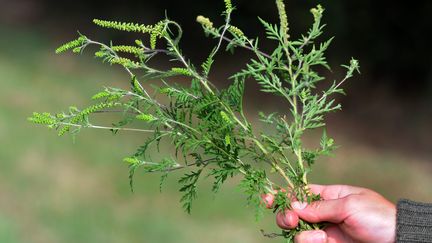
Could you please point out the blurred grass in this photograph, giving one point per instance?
(54, 190)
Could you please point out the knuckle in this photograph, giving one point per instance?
(350, 202)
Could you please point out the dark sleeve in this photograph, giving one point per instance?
(414, 221)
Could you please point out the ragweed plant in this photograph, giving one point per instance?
(210, 134)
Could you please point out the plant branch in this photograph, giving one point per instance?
(106, 128)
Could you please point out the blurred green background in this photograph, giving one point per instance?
(54, 190)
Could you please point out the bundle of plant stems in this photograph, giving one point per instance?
(211, 136)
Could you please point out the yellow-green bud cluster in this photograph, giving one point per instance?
(225, 117)
(42, 118)
(137, 86)
(146, 117)
(76, 50)
(100, 54)
(182, 71)
(317, 12)
(84, 113)
(236, 31)
(228, 6)
(100, 95)
(107, 95)
(131, 160)
(205, 22)
(282, 16)
(227, 140)
(127, 49)
(125, 62)
(75, 45)
(156, 33)
(164, 90)
(130, 27)
(94, 108)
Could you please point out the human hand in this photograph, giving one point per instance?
(355, 215)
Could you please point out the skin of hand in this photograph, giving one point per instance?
(354, 214)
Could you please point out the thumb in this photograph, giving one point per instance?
(319, 211)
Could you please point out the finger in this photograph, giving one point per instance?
(268, 200)
(334, 191)
(335, 235)
(327, 210)
(312, 236)
(287, 219)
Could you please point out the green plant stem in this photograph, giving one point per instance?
(107, 128)
(229, 40)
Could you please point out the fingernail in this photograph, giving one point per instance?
(290, 219)
(319, 236)
(268, 200)
(298, 205)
